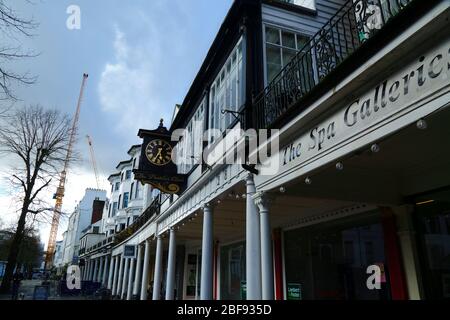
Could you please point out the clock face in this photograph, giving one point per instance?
(159, 152)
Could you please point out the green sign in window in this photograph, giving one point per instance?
(294, 291)
(243, 290)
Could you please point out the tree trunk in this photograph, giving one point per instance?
(14, 252)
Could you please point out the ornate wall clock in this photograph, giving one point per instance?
(155, 164)
(159, 152)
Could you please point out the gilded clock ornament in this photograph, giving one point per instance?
(159, 152)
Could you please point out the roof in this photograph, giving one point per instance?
(213, 57)
(133, 147)
(121, 163)
(114, 175)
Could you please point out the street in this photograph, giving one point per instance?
(26, 291)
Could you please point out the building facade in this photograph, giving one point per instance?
(79, 220)
(122, 211)
(351, 202)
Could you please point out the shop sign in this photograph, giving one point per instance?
(390, 98)
(243, 290)
(129, 251)
(294, 291)
(41, 293)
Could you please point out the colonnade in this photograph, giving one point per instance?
(128, 277)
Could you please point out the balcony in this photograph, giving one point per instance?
(149, 213)
(334, 44)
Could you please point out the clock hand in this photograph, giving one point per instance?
(159, 155)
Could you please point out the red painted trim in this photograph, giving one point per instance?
(393, 256)
(278, 264)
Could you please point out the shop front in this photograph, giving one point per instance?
(330, 260)
(432, 219)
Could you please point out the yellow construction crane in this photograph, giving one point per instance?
(94, 163)
(59, 195)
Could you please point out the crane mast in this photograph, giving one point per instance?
(59, 195)
(94, 163)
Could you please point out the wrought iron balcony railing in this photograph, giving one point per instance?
(352, 25)
(149, 213)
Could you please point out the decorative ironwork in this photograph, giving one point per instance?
(352, 25)
(152, 211)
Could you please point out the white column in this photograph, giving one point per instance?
(88, 264)
(126, 267)
(115, 275)
(105, 271)
(94, 274)
(91, 271)
(144, 284)
(253, 244)
(170, 281)
(120, 277)
(130, 279)
(206, 283)
(158, 270)
(138, 275)
(408, 248)
(101, 269)
(83, 271)
(110, 272)
(263, 200)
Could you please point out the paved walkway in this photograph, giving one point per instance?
(26, 291)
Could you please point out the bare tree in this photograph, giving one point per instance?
(38, 139)
(13, 26)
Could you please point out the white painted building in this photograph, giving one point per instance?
(59, 254)
(360, 93)
(79, 220)
(121, 212)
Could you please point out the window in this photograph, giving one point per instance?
(134, 163)
(95, 230)
(126, 196)
(109, 211)
(228, 90)
(329, 260)
(127, 174)
(232, 271)
(131, 191)
(120, 197)
(190, 145)
(115, 207)
(281, 47)
(117, 186)
(309, 4)
(138, 190)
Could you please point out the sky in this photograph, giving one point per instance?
(141, 57)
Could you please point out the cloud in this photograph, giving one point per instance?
(128, 87)
(151, 66)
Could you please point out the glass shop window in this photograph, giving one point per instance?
(432, 217)
(232, 273)
(329, 261)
